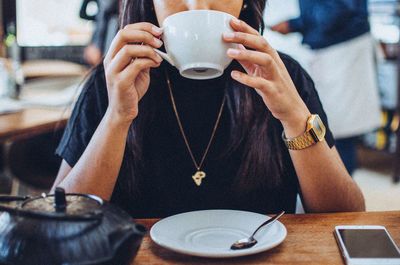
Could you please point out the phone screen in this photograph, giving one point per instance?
(368, 243)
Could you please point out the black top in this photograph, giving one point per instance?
(168, 187)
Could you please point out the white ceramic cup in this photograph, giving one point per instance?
(194, 45)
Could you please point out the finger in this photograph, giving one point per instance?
(145, 26)
(256, 82)
(256, 42)
(125, 56)
(240, 25)
(247, 66)
(129, 35)
(248, 57)
(133, 70)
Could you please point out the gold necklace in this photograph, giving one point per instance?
(199, 175)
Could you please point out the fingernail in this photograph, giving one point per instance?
(159, 58)
(158, 42)
(233, 52)
(229, 35)
(157, 30)
(235, 74)
(236, 21)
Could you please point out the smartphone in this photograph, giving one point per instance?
(366, 244)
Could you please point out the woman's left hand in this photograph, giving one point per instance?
(267, 74)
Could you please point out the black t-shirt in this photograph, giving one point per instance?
(167, 186)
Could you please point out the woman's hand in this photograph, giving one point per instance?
(267, 74)
(127, 66)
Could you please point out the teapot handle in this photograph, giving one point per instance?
(94, 215)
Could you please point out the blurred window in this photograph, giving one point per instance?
(51, 23)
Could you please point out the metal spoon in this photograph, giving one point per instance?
(251, 241)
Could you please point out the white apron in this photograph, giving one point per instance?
(345, 78)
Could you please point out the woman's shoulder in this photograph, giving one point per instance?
(86, 115)
(92, 101)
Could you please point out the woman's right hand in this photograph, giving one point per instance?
(127, 68)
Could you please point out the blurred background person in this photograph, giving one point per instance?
(106, 26)
(342, 65)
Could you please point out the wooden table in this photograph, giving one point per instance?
(309, 240)
(31, 122)
(22, 125)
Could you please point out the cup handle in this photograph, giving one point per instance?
(165, 56)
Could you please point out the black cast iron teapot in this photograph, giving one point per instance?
(67, 229)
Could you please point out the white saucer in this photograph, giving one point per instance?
(210, 233)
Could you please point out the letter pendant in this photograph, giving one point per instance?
(198, 176)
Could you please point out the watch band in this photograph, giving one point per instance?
(303, 141)
(315, 132)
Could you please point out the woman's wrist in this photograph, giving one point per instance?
(297, 125)
(116, 121)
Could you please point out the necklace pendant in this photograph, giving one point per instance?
(198, 177)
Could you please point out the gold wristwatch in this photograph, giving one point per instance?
(315, 132)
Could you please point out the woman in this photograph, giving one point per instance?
(126, 143)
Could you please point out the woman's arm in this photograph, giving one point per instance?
(97, 169)
(126, 67)
(324, 182)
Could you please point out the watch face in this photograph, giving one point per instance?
(318, 129)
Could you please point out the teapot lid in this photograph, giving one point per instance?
(64, 206)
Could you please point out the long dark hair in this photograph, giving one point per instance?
(252, 126)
